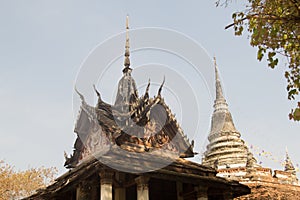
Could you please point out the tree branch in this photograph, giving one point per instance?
(234, 23)
(296, 19)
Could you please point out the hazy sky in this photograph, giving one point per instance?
(43, 44)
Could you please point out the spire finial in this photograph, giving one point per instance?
(127, 53)
(219, 91)
(215, 61)
(127, 21)
(220, 102)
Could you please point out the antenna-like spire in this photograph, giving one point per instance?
(220, 102)
(219, 91)
(127, 53)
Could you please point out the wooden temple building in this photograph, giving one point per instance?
(135, 149)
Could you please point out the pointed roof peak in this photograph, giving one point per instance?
(216, 66)
(79, 94)
(148, 86)
(216, 70)
(288, 165)
(127, 46)
(220, 102)
(127, 21)
(287, 157)
(219, 91)
(161, 86)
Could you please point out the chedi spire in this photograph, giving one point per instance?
(288, 165)
(226, 149)
(220, 102)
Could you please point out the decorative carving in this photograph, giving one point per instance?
(95, 141)
(106, 177)
(142, 182)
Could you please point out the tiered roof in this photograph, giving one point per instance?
(136, 124)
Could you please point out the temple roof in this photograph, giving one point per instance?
(225, 148)
(136, 124)
(179, 170)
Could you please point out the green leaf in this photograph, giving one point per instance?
(291, 93)
(260, 54)
(273, 35)
(271, 55)
(296, 114)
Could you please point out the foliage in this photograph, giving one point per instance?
(274, 28)
(19, 184)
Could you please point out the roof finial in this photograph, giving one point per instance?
(160, 88)
(148, 86)
(97, 92)
(127, 53)
(80, 95)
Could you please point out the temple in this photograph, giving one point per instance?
(228, 154)
(134, 149)
(133, 123)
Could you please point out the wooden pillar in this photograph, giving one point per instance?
(120, 194)
(85, 190)
(201, 192)
(106, 185)
(142, 188)
(120, 191)
(179, 189)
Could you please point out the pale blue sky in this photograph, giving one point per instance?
(43, 43)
